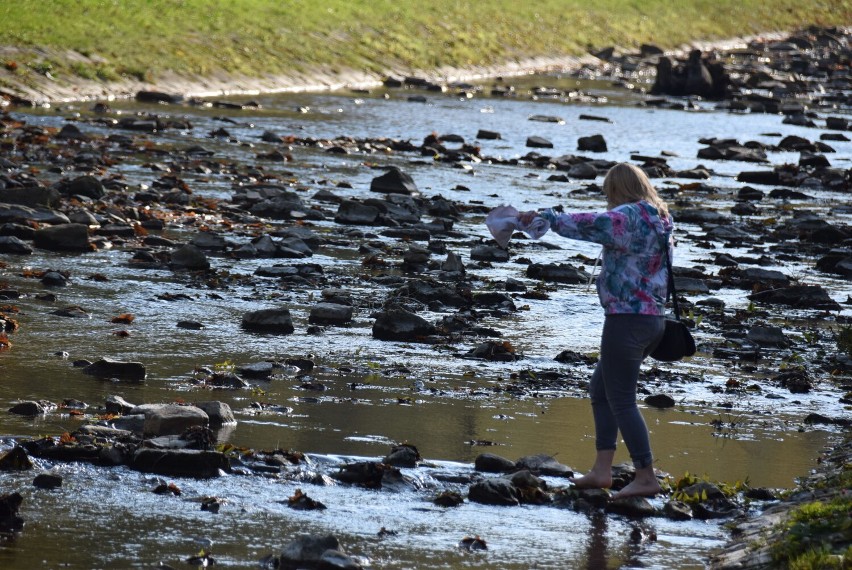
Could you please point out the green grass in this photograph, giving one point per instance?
(143, 38)
(812, 532)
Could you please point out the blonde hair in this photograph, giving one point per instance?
(626, 183)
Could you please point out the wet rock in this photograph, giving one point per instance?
(190, 325)
(86, 186)
(9, 519)
(543, 464)
(108, 368)
(47, 481)
(766, 177)
(209, 240)
(538, 142)
(32, 408)
(400, 325)
(368, 474)
(57, 279)
(703, 491)
(394, 181)
(14, 246)
(158, 97)
(276, 321)
(260, 370)
(449, 499)
(761, 494)
(472, 543)
(172, 419)
(718, 508)
(583, 171)
(496, 491)
(16, 213)
(118, 405)
(404, 455)
(301, 502)
(32, 196)
(486, 252)
(495, 351)
(218, 413)
(768, 336)
(484, 134)
(661, 401)
(560, 273)
(490, 463)
(677, 511)
(330, 314)
(356, 213)
(180, 462)
(65, 237)
(638, 507)
(797, 382)
(308, 550)
(594, 143)
(798, 296)
(190, 258)
(16, 459)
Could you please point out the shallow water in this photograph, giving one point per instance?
(439, 401)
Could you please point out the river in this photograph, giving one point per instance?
(378, 393)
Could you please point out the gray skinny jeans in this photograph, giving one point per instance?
(625, 342)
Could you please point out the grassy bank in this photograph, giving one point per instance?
(141, 39)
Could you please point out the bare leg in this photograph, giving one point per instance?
(644, 484)
(600, 477)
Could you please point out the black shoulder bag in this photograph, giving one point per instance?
(677, 341)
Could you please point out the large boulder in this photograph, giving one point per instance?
(65, 237)
(356, 213)
(269, 320)
(173, 419)
(180, 462)
(219, 413)
(401, 325)
(394, 181)
(15, 246)
(87, 186)
(497, 491)
(593, 143)
(189, 257)
(32, 196)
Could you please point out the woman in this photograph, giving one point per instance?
(632, 287)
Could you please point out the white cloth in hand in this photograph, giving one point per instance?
(503, 221)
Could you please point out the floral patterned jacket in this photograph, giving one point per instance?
(634, 277)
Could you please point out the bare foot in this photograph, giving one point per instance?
(639, 488)
(593, 480)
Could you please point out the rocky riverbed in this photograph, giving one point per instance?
(220, 265)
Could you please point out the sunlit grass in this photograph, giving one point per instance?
(143, 38)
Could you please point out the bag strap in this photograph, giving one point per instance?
(671, 291)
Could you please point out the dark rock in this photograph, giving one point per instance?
(638, 507)
(16, 459)
(180, 462)
(108, 368)
(394, 181)
(65, 237)
(400, 325)
(490, 463)
(276, 321)
(189, 257)
(330, 314)
(118, 405)
(538, 142)
(404, 455)
(583, 171)
(486, 252)
(14, 246)
(356, 213)
(87, 186)
(594, 143)
(798, 296)
(543, 464)
(661, 401)
(488, 135)
(768, 336)
(47, 481)
(677, 511)
(308, 550)
(497, 491)
(158, 97)
(561, 273)
(32, 408)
